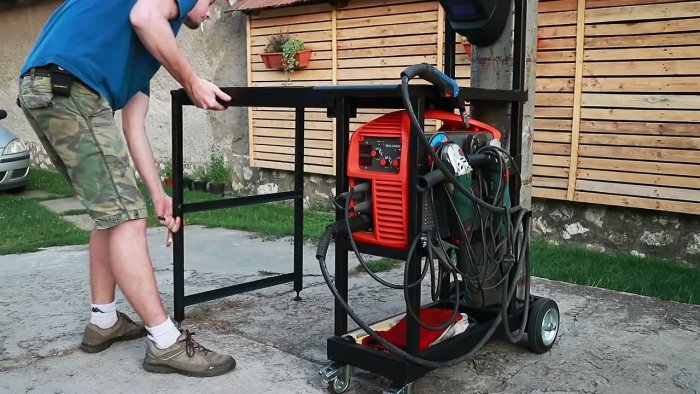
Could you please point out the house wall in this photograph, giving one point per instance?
(217, 52)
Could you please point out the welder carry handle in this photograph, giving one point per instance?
(425, 182)
(447, 86)
(454, 122)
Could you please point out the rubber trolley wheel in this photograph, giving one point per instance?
(542, 325)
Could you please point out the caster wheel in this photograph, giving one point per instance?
(542, 325)
(341, 382)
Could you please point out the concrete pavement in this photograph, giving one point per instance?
(609, 342)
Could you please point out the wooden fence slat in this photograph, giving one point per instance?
(387, 31)
(276, 165)
(554, 84)
(555, 56)
(642, 40)
(641, 140)
(553, 112)
(641, 114)
(619, 3)
(647, 85)
(640, 153)
(383, 61)
(558, 5)
(554, 183)
(555, 194)
(557, 172)
(419, 39)
(635, 67)
(318, 144)
(556, 69)
(291, 11)
(650, 191)
(293, 30)
(552, 124)
(638, 202)
(556, 18)
(645, 27)
(632, 166)
(644, 179)
(648, 128)
(551, 148)
(550, 160)
(256, 24)
(642, 12)
(549, 136)
(649, 101)
(389, 19)
(556, 44)
(684, 52)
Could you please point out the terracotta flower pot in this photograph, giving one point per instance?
(274, 61)
(467, 48)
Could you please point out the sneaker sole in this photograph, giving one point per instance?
(103, 346)
(215, 371)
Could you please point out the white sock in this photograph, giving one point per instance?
(163, 335)
(104, 315)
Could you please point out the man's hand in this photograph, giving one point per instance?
(206, 95)
(164, 212)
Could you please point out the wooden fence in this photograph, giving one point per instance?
(617, 104)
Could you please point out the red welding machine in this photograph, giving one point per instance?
(378, 155)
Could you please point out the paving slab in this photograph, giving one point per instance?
(61, 205)
(81, 221)
(609, 342)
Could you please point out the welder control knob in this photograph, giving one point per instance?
(374, 153)
(382, 162)
(395, 163)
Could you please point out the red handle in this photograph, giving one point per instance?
(454, 122)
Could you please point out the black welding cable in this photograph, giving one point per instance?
(410, 311)
(362, 260)
(523, 255)
(321, 256)
(388, 345)
(426, 144)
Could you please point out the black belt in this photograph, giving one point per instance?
(61, 79)
(45, 71)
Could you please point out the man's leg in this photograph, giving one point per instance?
(133, 271)
(102, 282)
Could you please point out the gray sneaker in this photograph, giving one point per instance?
(187, 357)
(96, 339)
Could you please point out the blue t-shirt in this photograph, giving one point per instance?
(94, 41)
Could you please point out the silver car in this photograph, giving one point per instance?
(14, 159)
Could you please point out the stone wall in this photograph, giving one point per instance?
(636, 231)
(216, 52)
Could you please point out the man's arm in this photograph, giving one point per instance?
(150, 19)
(134, 124)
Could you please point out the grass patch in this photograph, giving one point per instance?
(28, 226)
(48, 181)
(664, 279)
(271, 220)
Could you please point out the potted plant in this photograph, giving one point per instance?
(218, 174)
(201, 177)
(168, 174)
(284, 52)
(466, 44)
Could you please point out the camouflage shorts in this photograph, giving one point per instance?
(87, 148)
